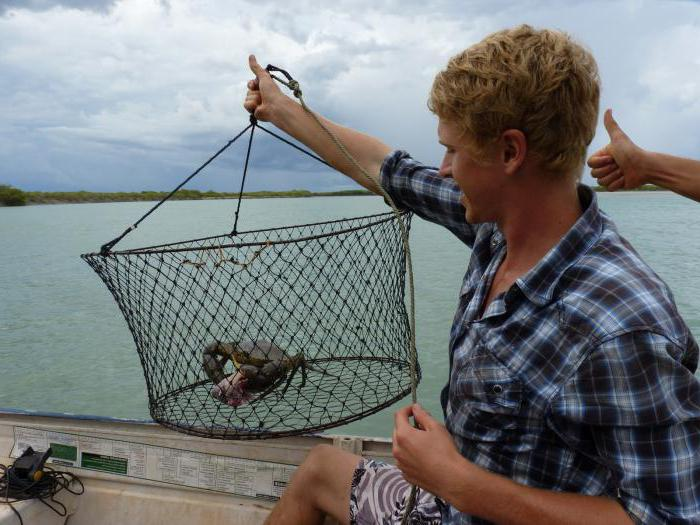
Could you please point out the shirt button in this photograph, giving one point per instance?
(497, 389)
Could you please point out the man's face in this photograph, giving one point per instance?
(480, 182)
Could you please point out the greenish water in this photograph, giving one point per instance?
(65, 347)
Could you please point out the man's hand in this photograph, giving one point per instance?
(266, 101)
(619, 164)
(426, 455)
(263, 93)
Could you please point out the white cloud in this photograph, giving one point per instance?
(671, 77)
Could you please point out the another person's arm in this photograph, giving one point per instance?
(624, 165)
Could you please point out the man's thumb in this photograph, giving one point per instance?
(254, 66)
(611, 124)
(423, 418)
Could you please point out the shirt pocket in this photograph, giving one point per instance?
(489, 399)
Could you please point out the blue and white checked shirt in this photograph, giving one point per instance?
(580, 377)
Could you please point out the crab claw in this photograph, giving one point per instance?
(231, 390)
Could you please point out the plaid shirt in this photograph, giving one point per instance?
(580, 377)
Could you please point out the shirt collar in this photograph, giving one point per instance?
(539, 283)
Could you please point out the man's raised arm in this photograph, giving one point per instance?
(266, 102)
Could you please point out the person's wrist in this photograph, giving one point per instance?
(648, 167)
(464, 477)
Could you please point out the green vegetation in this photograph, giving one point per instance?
(66, 197)
(10, 196)
(646, 187)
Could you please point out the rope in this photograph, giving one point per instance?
(106, 248)
(290, 143)
(253, 122)
(294, 86)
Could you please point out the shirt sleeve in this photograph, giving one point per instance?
(420, 189)
(635, 409)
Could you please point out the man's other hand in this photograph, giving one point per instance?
(427, 455)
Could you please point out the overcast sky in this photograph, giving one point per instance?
(133, 95)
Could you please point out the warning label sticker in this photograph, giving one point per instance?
(104, 463)
(243, 477)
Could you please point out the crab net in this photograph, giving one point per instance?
(328, 297)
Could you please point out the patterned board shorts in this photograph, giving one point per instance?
(379, 494)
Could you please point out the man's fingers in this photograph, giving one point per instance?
(262, 92)
(599, 159)
(253, 96)
(423, 418)
(608, 179)
(617, 184)
(401, 416)
(252, 101)
(605, 170)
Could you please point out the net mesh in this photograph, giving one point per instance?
(311, 317)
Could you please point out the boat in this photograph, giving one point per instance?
(136, 471)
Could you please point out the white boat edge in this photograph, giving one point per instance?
(164, 472)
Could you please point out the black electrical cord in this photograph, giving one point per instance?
(14, 488)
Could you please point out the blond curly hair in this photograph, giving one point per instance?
(538, 81)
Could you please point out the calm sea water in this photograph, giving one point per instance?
(64, 346)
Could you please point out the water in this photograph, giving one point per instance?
(65, 347)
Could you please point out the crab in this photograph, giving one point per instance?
(261, 367)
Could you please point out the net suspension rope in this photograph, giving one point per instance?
(294, 86)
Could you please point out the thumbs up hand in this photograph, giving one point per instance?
(263, 95)
(618, 165)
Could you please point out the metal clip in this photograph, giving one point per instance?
(290, 82)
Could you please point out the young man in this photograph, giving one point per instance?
(571, 396)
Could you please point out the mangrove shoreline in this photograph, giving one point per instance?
(11, 196)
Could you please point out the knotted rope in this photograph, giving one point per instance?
(294, 86)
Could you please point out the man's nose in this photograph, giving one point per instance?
(446, 166)
(445, 169)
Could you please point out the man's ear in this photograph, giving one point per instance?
(514, 150)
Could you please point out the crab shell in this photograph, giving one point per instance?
(259, 364)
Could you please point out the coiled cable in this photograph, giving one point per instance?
(15, 488)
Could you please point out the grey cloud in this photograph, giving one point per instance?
(116, 106)
(42, 5)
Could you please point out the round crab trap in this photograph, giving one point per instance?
(268, 333)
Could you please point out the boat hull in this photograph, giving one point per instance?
(140, 472)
